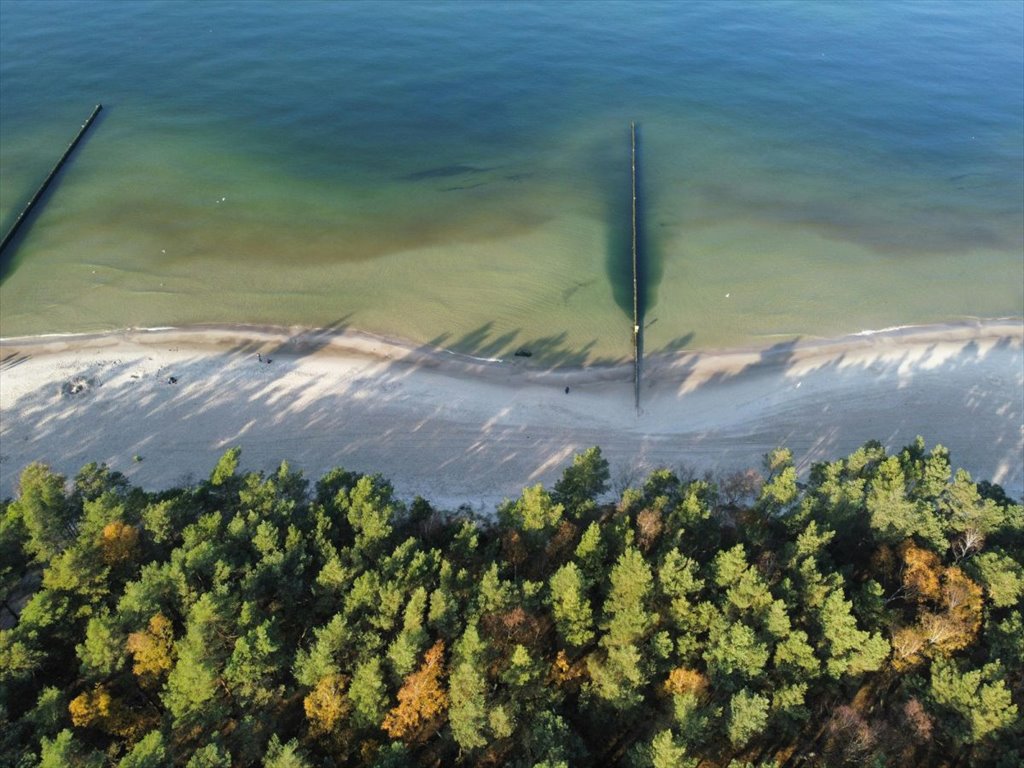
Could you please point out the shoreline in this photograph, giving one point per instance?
(460, 430)
(301, 340)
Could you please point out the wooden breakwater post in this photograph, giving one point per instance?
(637, 330)
(46, 182)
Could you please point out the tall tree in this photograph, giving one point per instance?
(44, 509)
(467, 691)
(618, 674)
(570, 606)
(582, 483)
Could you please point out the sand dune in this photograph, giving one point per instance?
(457, 430)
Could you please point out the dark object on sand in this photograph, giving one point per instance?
(567, 390)
(172, 379)
(523, 353)
(259, 357)
(76, 386)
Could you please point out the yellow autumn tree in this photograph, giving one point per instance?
(682, 680)
(119, 543)
(963, 599)
(907, 646)
(421, 700)
(565, 671)
(100, 709)
(326, 705)
(922, 570)
(152, 650)
(91, 709)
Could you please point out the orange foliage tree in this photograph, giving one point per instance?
(921, 571)
(949, 608)
(422, 700)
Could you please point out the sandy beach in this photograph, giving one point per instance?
(161, 406)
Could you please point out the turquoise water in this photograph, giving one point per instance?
(458, 173)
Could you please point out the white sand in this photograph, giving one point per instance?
(460, 431)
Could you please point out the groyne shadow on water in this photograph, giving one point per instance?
(9, 256)
(619, 243)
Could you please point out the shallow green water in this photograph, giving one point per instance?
(458, 173)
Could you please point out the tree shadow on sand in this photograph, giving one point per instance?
(438, 436)
(548, 353)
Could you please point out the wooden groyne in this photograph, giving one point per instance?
(46, 182)
(637, 329)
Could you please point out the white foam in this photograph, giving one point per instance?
(890, 329)
(471, 357)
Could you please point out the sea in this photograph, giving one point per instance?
(458, 174)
